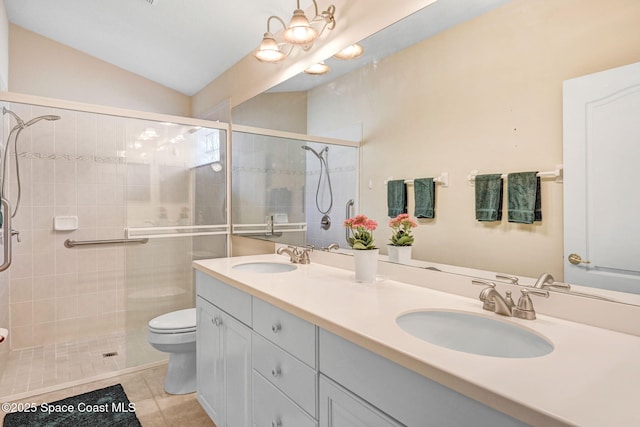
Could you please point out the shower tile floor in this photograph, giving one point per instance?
(32, 369)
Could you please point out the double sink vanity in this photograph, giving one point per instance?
(281, 344)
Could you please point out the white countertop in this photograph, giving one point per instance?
(592, 378)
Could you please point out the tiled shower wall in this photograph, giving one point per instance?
(174, 176)
(342, 163)
(59, 294)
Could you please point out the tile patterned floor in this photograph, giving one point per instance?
(145, 388)
(36, 368)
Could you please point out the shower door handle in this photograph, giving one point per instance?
(6, 234)
(347, 214)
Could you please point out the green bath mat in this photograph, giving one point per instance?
(105, 407)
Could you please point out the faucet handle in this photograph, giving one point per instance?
(487, 303)
(482, 282)
(524, 309)
(512, 279)
(560, 285)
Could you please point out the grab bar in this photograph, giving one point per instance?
(6, 234)
(347, 214)
(72, 243)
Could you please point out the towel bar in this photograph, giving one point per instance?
(557, 173)
(442, 179)
(72, 243)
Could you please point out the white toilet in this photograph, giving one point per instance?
(175, 333)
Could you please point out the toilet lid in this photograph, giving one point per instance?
(182, 320)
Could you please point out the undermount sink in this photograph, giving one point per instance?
(471, 333)
(265, 267)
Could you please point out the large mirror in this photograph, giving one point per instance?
(482, 92)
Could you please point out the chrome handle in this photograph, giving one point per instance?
(539, 292)
(347, 214)
(6, 234)
(512, 279)
(275, 372)
(576, 259)
(217, 321)
(483, 283)
(276, 327)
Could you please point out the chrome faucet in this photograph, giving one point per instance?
(330, 247)
(296, 255)
(546, 281)
(493, 301)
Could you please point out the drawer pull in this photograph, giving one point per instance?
(217, 321)
(275, 372)
(276, 328)
(276, 423)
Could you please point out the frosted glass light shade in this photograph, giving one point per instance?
(300, 30)
(350, 52)
(319, 68)
(269, 51)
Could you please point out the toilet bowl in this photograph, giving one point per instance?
(175, 333)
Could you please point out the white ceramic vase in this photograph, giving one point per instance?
(399, 254)
(366, 262)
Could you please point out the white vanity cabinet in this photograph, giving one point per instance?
(261, 366)
(285, 375)
(407, 397)
(340, 408)
(223, 353)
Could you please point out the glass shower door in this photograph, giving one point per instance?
(176, 197)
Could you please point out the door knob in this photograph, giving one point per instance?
(576, 259)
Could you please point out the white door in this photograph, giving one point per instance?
(601, 140)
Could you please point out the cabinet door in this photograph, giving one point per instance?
(210, 360)
(340, 408)
(237, 367)
(223, 352)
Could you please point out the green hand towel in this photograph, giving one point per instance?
(489, 197)
(396, 198)
(524, 197)
(424, 194)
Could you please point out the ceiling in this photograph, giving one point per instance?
(186, 44)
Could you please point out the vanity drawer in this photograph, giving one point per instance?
(272, 408)
(291, 333)
(294, 378)
(233, 301)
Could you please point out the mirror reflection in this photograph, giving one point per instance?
(486, 96)
(291, 190)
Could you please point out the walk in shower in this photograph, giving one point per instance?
(156, 185)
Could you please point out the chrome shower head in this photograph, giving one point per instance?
(318, 155)
(37, 119)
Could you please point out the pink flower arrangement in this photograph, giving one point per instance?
(402, 226)
(362, 232)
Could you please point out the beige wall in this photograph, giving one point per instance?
(4, 47)
(285, 111)
(485, 95)
(43, 67)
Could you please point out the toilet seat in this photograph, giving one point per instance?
(176, 322)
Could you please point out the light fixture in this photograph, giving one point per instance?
(300, 32)
(350, 52)
(318, 69)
